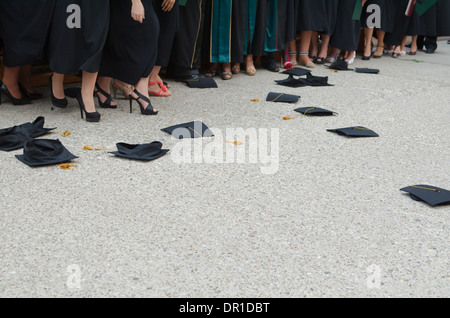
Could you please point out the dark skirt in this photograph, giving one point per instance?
(238, 31)
(186, 53)
(347, 31)
(403, 25)
(286, 23)
(168, 27)
(132, 47)
(443, 18)
(73, 49)
(387, 14)
(24, 25)
(313, 16)
(255, 32)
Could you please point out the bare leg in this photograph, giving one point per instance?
(87, 90)
(324, 49)
(414, 45)
(11, 81)
(58, 85)
(104, 83)
(380, 46)
(142, 88)
(314, 44)
(25, 78)
(304, 48)
(293, 52)
(157, 87)
(249, 66)
(368, 34)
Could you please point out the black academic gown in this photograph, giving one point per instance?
(387, 14)
(347, 31)
(436, 21)
(403, 25)
(185, 59)
(286, 23)
(132, 47)
(168, 27)
(313, 16)
(24, 25)
(77, 38)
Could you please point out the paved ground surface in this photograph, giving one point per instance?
(331, 222)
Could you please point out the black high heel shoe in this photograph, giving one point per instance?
(108, 102)
(144, 111)
(58, 102)
(31, 96)
(90, 117)
(17, 102)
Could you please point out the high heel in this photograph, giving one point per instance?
(15, 101)
(287, 64)
(108, 102)
(123, 89)
(57, 102)
(144, 111)
(90, 117)
(32, 96)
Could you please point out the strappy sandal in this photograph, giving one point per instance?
(309, 64)
(108, 102)
(378, 54)
(287, 64)
(320, 60)
(251, 71)
(226, 75)
(293, 61)
(123, 89)
(163, 92)
(212, 71)
(236, 69)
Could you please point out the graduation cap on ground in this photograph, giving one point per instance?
(314, 111)
(203, 82)
(15, 137)
(34, 129)
(309, 81)
(143, 152)
(282, 98)
(340, 65)
(367, 70)
(297, 71)
(43, 152)
(357, 131)
(432, 195)
(193, 129)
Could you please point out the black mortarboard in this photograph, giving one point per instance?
(203, 82)
(297, 71)
(43, 152)
(432, 195)
(301, 82)
(34, 129)
(144, 152)
(340, 65)
(282, 98)
(357, 131)
(15, 137)
(367, 70)
(314, 111)
(193, 129)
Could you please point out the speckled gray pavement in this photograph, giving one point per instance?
(329, 222)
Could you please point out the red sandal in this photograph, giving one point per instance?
(163, 92)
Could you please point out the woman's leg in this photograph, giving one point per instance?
(87, 91)
(58, 85)
(324, 49)
(155, 85)
(314, 45)
(105, 85)
(368, 34)
(380, 46)
(11, 81)
(305, 43)
(142, 88)
(249, 65)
